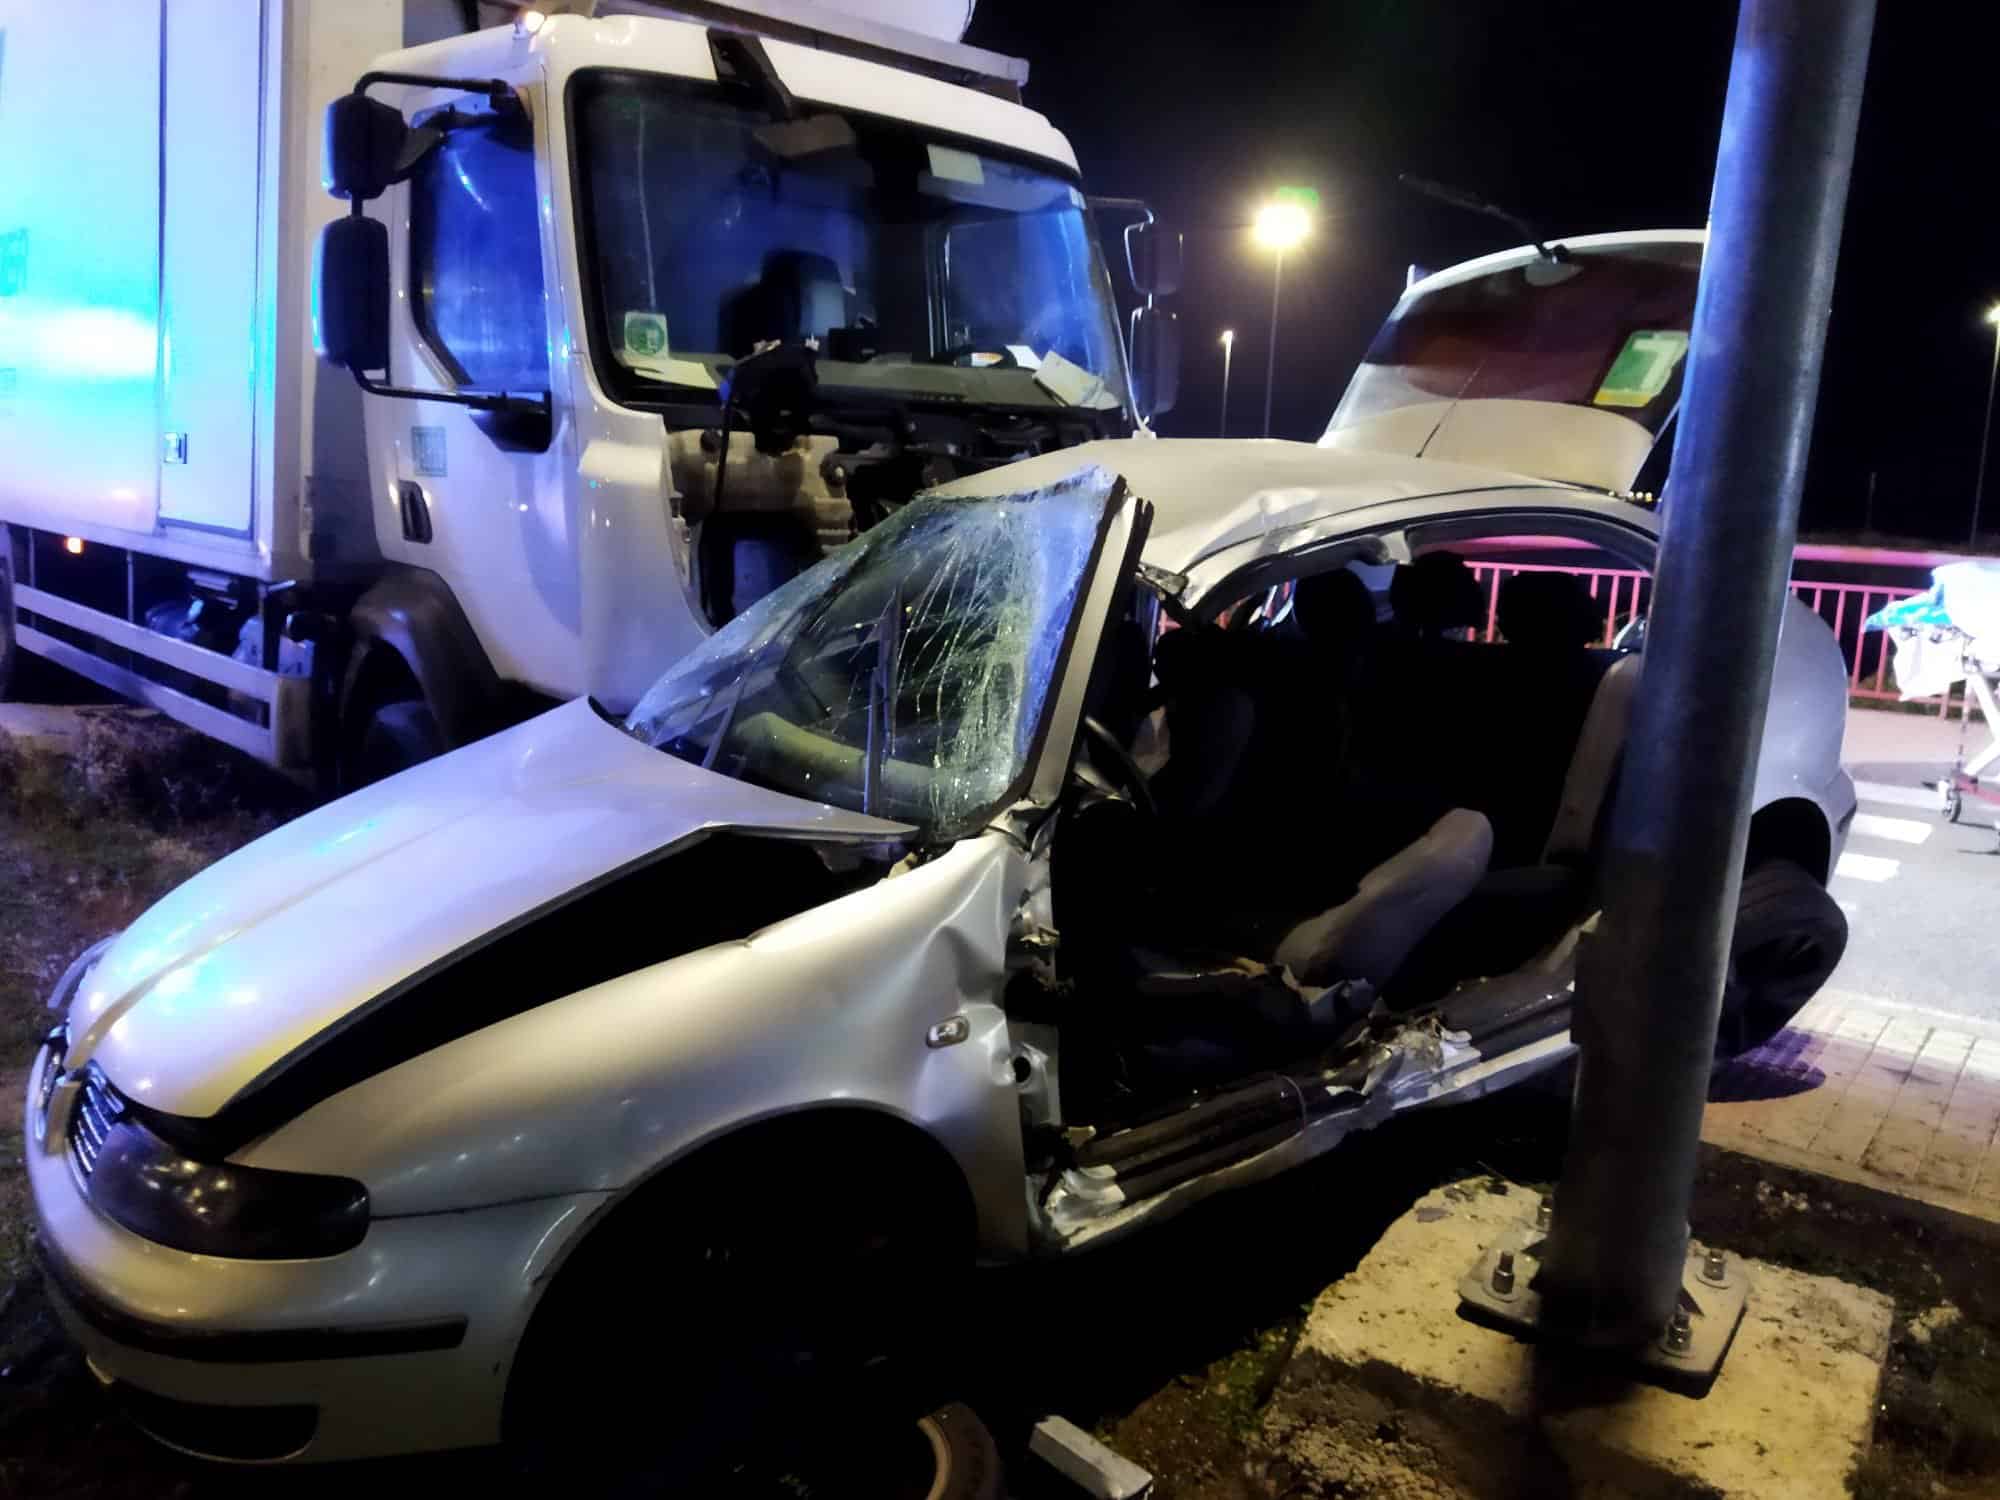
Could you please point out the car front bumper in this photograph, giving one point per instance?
(400, 1345)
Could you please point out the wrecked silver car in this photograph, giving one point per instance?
(975, 894)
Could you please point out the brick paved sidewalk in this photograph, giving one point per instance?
(1891, 1097)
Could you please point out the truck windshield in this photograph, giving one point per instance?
(906, 674)
(920, 266)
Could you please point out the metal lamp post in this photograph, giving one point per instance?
(1614, 1268)
(1986, 432)
(1228, 342)
(1280, 226)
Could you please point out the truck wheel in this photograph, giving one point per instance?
(1790, 933)
(10, 650)
(396, 736)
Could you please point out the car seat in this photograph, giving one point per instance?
(1548, 612)
(1435, 595)
(1513, 913)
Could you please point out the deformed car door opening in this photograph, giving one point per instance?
(1483, 1034)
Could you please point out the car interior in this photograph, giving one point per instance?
(1356, 785)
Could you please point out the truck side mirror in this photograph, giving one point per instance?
(1153, 257)
(351, 293)
(1156, 361)
(364, 146)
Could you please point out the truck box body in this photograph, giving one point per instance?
(160, 168)
(159, 402)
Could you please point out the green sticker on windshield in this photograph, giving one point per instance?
(645, 334)
(1643, 368)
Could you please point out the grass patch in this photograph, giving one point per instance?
(1937, 1428)
(1194, 1434)
(90, 838)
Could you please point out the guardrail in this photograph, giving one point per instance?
(1626, 592)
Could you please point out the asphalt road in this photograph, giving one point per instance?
(1922, 896)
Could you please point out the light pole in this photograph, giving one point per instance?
(1280, 225)
(1228, 342)
(1649, 980)
(1986, 432)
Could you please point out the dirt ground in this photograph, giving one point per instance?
(1167, 1347)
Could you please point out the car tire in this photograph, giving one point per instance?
(395, 737)
(1789, 935)
(966, 1459)
(746, 1308)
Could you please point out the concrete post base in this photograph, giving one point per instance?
(1391, 1393)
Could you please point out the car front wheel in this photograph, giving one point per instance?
(736, 1320)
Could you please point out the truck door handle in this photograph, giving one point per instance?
(416, 511)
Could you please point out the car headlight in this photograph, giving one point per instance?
(78, 970)
(153, 1188)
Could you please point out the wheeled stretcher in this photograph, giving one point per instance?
(1949, 634)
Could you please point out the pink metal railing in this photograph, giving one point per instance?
(1625, 593)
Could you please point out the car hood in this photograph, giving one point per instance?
(231, 972)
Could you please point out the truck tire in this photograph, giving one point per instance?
(1790, 933)
(396, 736)
(10, 649)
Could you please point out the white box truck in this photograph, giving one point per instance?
(358, 397)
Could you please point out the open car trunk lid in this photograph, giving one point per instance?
(1562, 369)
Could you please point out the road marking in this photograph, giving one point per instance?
(1872, 868)
(1896, 830)
(1899, 796)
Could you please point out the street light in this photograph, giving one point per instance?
(1228, 342)
(1986, 432)
(1280, 225)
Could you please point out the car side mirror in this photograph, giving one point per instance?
(1153, 258)
(1156, 361)
(351, 293)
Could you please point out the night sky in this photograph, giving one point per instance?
(1581, 116)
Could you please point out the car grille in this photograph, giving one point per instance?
(97, 1109)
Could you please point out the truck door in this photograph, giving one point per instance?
(215, 347)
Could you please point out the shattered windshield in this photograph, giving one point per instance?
(919, 265)
(906, 674)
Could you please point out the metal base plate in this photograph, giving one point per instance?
(1714, 1306)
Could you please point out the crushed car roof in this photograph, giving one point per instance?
(1211, 495)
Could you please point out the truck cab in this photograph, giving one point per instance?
(645, 307)
(680, 307)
